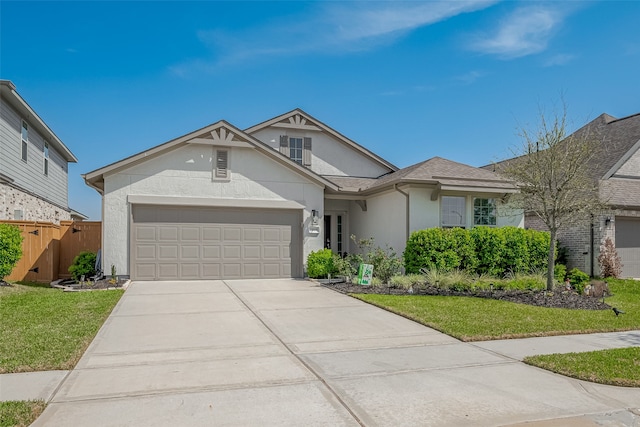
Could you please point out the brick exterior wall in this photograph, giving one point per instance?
(578, 241)
(33, 208)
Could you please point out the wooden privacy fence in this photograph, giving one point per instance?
(49, 249)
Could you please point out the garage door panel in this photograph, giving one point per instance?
(252, 252)
(168, 233)
(145, 271)
(146, 252)
(211, 271)
(231, 252)
(168, 252)
(189, 252)
(168, 270)
(232, 234)
(252, 234)
(190, 234)
(189, 271)
(211, 243)
(211, 252)
(146, 233)
(211, 234)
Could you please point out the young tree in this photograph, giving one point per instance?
(10, 248)
(552, 172)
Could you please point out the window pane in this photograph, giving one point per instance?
(453, 211)
(484, 211)
(24, 150)
(295, 149)
(25, 131)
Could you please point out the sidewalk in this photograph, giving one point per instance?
(43, 385)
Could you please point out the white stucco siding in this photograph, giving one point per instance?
(631, 167)
(423, 212)
(187, 172)
(329, 156)
(384, 220)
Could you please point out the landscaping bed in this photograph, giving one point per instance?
(560, 298)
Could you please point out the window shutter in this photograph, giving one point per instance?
(306, 152)
(222, 163)
(284, 145)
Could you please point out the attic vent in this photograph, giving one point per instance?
(222, 163)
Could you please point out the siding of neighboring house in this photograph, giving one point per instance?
(186, 172)
(328, 156)
(31, 189)
(631, 167)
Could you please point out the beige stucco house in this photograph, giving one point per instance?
(221, 202)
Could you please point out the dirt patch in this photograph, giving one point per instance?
(558, 299)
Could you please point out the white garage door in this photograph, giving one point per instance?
(628, 245)
(172, 242)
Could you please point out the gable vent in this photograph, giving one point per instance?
(222, 163)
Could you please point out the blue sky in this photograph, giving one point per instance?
(408, 80)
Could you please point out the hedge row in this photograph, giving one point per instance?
(480, 250)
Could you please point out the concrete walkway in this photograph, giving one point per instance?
(288, 352)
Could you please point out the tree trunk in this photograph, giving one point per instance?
(551, 261)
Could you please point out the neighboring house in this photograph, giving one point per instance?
(617, 168)
(221, 202)
(33, 163)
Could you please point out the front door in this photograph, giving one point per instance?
(335, 232)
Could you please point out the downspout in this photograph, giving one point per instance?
(591, 237)
(406, 221)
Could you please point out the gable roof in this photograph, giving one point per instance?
(8, 92)
(620, 139)
(444, 174)
(302, 120)
(219, 133)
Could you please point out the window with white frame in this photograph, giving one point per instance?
(25, 140)
(453, 210)
(46, 158)
(484, 211)
(295, 149)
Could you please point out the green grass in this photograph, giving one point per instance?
(477, 319)
(47, 329)
(20, 413)
(620, 367)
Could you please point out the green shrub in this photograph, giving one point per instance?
(489, 248)
(386, 262)
(481, 250)
(578, 279)
(83, 265)
(432, 248)
(559, 272)
(414, 281)
(320, 264)
(10, 248)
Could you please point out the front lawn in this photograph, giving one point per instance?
(620, 367)
(47, 329)
(20, 413)
(477, 319)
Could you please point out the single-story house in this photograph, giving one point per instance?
(221, 202)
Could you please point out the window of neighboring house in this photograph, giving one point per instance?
(484, 211)
(25, 140)
(453, 211)
(295, 149)
(222, 164)
(46, 158)
(339, 235)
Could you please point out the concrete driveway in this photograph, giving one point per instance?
(289, 352)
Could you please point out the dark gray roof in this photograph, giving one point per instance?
(620, 192)
(446, 172)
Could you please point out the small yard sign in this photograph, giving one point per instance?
(365, 274)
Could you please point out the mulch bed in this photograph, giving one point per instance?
(90, 285)
(558, 299)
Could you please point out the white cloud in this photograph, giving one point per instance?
(327, 28)
(525, 32)
(468, 78)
